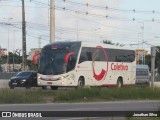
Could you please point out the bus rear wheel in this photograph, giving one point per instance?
(54, 87)
(119, 83)
(80, 82)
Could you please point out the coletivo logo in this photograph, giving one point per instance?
(103, 72)
(119, 67)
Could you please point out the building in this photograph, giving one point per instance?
(32, 54)
(11, 67)
(140, 55)
(3, 52)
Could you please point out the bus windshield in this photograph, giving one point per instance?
(52, 61)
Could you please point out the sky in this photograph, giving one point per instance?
(133, 23)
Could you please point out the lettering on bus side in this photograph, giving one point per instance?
(119, 66)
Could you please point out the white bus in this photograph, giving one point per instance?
(86, 64)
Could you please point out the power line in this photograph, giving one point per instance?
(107, 17)
(41, 3)
(109, 8)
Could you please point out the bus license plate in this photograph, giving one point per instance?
(14, 83)
(49, 83)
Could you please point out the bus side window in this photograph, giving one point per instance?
(86, 55)
(89, 56)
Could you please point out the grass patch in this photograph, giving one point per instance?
(79, 95)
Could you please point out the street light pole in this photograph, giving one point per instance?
(143, 51)
(8, 66)
(96, 33)
(77, 25)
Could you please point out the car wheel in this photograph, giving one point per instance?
(28, 86)
(11, 87)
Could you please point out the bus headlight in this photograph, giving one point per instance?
(62, 77)
(62, 83)
(39, 83)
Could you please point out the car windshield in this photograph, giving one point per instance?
(24, 74)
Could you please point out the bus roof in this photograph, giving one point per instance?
(93, 44)
(88, 44)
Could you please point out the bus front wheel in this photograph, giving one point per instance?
(80, 82)
(54, 87)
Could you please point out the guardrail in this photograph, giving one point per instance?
(7, 75)
(4, 79)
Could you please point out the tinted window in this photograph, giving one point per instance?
(24, 74)
(113, 55)
(86, 54)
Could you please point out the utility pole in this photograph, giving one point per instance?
(153, 56)
(23, 38)
(13, 49)
(52, 21)
(8, 66)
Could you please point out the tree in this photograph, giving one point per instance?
(32, 66)
(110, 42)
(157, 60)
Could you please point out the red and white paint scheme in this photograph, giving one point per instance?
(89, 64)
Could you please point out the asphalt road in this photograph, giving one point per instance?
(97, 107)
